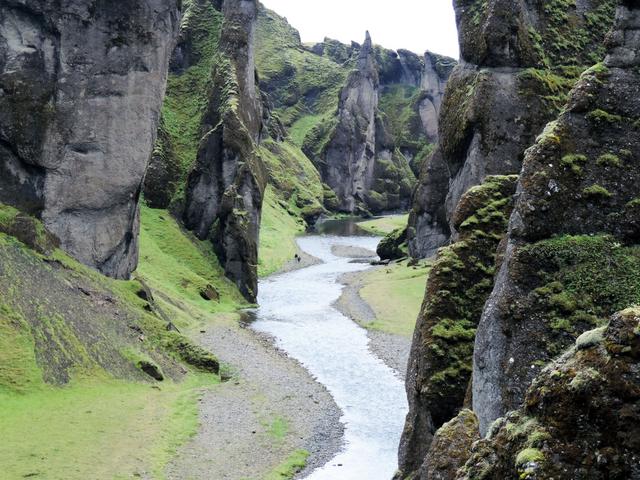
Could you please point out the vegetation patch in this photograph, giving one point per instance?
(292, 465)
(395, 294)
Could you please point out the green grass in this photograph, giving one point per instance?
(175, 263)
(302, 126)
(278, 428)
(295, 463)
(395, 294)
(277, 235)
(384, 225)
(97, 428)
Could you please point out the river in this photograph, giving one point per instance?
(296, 309)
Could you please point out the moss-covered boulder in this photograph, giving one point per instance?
(572, 253)
(451, 447)
(580, 416)
(458, 286)
(394, 245)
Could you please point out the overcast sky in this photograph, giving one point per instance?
(416, 25)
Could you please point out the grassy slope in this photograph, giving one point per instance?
(95, 429)
(395, 294)
(277, 235)
(303, 86)
(111, 425)
(384, 225)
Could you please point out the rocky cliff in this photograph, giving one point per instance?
(225, 189)
(519, 60)
(310, 87)
(386, 120)
(571, 255)
(440, 364)
(579, 419)
(81, 86)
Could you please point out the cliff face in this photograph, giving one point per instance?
(226, 187)
(349, 158)
(519, 61)
(459, 284)
(572, 255)
(579, 418)
(386, 119)
(82, 86)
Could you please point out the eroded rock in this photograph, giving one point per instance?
(81, 89)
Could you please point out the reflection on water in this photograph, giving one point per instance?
(342, 227)
(296, 308)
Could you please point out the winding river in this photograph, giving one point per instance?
(296, 308)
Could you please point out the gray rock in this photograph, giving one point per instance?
(226, 187)
(517, 330)
(496, 102)
(81, 86)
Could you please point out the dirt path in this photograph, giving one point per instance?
(391, 349)
(251, 424)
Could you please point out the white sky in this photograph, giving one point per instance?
(416, 25)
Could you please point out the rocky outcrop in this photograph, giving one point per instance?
(580, 416)
(226, 187)
(366, 157)
(440, 363)
(348, 161)
(520, 59)
(81, 86)
(451, 447)
(435, 75)
(571, 259)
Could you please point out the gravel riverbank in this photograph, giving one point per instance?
(251, 424)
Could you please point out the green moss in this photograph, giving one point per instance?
(609, 160)
(575, 162)
(584, 279)
(602, 117)
(187, 94)
(597, 192)
(529, 455)
(190, 353)
(454, 330)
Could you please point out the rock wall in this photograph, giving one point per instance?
(349, 157)
(81, 86)
(386, 118)
(226, 187)
(519, 60)
(440, 363)
(580, 416)
(572, 255)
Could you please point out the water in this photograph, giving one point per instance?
(296, 309)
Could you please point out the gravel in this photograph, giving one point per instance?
(234, 440)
